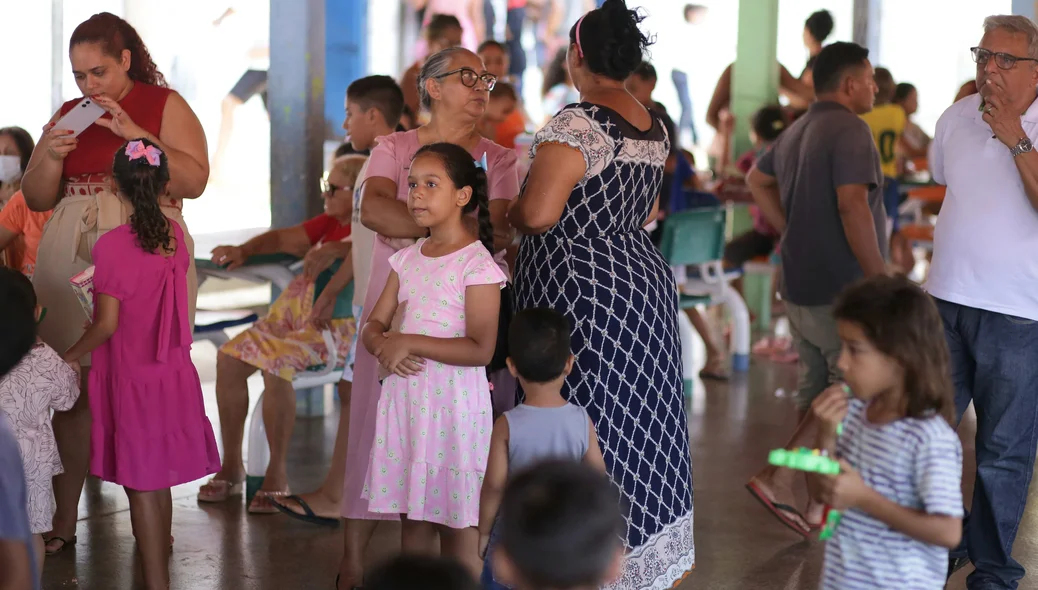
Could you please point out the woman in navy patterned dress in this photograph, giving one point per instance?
(596, 175)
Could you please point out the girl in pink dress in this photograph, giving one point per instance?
(432, 431)
(149, 430)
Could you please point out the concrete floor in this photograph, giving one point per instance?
(739, 546)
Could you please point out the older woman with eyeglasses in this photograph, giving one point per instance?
(287, 340)
(454, 87)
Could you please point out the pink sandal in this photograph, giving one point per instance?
(220, 490)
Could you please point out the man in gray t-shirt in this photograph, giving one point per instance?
(829, 148)
(821, 186)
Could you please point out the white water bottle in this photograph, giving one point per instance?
(259, 453)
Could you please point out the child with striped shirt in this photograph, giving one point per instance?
(901, 462)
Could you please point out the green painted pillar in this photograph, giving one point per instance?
(755, 83)
(755, 76)
(755, 80)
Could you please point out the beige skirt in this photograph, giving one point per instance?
(68, 237)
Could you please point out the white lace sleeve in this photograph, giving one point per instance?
(575, 128)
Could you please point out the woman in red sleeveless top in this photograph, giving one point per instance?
(72, 177)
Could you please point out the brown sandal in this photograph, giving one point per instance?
(263, 503)
(220, 490)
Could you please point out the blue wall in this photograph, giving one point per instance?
(346, 56)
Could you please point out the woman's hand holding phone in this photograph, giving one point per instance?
(58, 142)
(120, 124)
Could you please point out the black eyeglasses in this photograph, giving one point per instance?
(469, 77)
(329, 188)
(1004, 61)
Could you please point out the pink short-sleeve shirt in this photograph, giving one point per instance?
(392, 159)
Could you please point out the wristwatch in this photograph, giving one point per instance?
(1021, 148)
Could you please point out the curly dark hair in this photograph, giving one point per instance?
(463, 172)
(114, 35)
(612, 43)
(902, 322)
(142, 184)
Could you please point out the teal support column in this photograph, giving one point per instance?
(296, 92)
(755, 79)
(345, 58)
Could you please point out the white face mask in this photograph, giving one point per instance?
(10, 168)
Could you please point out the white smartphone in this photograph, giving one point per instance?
(80, 117)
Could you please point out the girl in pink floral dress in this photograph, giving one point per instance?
(432, 432)
(149, 430)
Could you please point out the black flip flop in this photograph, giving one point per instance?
(64, 543)
(308, 515)
(712, 376)
(779, 511)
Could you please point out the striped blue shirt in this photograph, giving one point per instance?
(915, 463)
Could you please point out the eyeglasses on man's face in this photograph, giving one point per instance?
(1004, 61)
(469, 77)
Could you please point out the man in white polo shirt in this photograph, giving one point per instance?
(985, 280)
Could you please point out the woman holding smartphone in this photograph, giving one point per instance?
(72, 175)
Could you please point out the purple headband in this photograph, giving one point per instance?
(580, 50)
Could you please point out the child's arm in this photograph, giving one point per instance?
(593, 456)
(66, 388)
(322, 310)
(380, 323)
(106, 321)
(474, 349)
(493, 482)
(829, 409)
(372, 335)
(848, 490)
(14, 562)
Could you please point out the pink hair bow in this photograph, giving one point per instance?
(136, 150)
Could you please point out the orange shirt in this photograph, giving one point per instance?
(17, 218)
(508, 129)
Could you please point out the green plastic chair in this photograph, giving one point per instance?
(316, 375)
(696, 237)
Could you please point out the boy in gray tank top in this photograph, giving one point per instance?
(545, 426)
